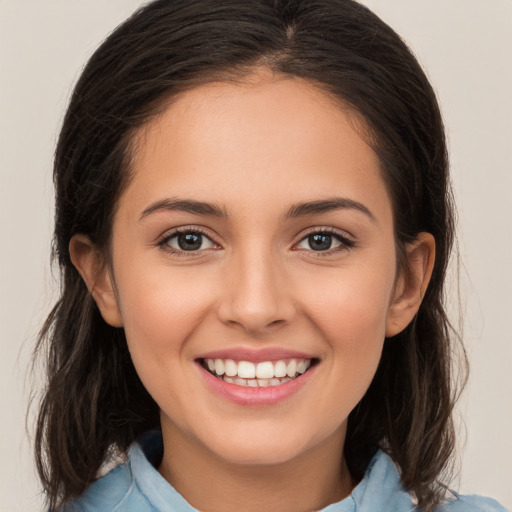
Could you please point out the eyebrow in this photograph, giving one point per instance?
(185, 205)
(327, 205)
(295, 211)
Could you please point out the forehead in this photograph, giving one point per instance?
(280, 137)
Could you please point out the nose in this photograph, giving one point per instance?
(256, 293)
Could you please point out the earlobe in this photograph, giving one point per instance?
(412, 284)
(93, 268)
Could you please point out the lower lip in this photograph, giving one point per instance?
(242, 395)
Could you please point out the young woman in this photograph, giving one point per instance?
(253, 223)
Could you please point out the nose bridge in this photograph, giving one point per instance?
(256, 293)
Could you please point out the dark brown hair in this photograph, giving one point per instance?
(94, 399)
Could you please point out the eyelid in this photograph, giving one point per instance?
(168, 235)
(346, 240)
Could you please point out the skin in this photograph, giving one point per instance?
(255, 148)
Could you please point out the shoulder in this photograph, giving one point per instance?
(113, 491)
(135, 486)
(472, 503)
(382, 490)
(120, 488)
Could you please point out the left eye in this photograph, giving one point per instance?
(321, 242)
(189, 241)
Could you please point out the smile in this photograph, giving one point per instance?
(260, 374)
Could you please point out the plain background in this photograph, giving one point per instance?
(465, 46)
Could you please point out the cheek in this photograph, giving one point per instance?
(160, 308)
(352, 311)
(356, 332)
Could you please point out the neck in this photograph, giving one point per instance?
(310, 481)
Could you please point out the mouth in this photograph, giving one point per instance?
(260, 374)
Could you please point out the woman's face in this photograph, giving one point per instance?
(255, 240)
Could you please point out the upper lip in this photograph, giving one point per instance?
(255, 355)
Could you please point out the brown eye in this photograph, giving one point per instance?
(188, 241)
(320, 242)
(325, 241)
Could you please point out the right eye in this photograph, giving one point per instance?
(186, 241)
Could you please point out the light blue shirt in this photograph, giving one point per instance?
(136, 486)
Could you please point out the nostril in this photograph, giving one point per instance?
(256, 304)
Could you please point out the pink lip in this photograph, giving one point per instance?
(242, 395)
(255, 355)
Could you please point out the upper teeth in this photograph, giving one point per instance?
(261, 370)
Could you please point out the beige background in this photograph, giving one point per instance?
(466, 47)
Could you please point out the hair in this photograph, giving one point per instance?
(94, 401)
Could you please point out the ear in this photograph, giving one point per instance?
(411, 284)
(90, 263)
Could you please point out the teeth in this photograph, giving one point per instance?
(246, 370)
(291, 369)
(302, 366)
(230, 368)
(262, 374)
(255, 383)
(219, 366)
(280, 369)
(265, 370)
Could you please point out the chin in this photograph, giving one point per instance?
(259, 449)
(258, 456)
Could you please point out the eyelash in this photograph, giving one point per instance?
(163, 243)
(346, 243)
